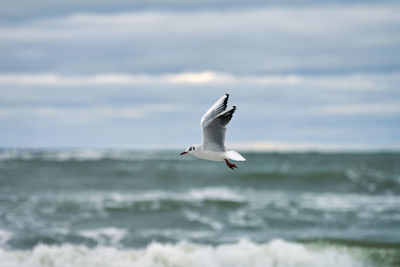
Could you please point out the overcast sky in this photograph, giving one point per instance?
(140, 74)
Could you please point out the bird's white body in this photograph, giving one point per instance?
(200, 153)
(213, 124)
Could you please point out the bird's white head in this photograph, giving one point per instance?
(191, 149)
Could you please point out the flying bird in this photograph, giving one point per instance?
(214, 123)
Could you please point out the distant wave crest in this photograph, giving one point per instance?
(80, 154)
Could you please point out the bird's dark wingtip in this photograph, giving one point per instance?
(226, 100)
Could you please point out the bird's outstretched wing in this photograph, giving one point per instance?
(214, 123)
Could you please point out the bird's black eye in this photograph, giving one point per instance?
(194, 148)
(190, 149)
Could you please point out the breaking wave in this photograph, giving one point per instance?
(243, 253)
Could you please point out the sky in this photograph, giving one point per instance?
(139, 74)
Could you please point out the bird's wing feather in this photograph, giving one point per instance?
(214, 110)
(214, 130)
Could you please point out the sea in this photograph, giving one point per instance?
(121, 207)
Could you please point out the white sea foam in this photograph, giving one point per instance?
(105, 236)
(328, 202)
(349, 202)
(99, 201)
(255, 198)
(200, 218)
(245, 218)
(244, 253)
(5, 236)
(175, 234)
(215, 193)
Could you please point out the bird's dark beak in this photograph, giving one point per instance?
(183, 153)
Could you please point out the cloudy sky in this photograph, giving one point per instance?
(140, 74)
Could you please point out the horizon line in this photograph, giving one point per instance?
(293, 149)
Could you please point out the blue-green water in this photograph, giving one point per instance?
(75, 207)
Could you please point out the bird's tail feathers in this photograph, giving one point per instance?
(233, 155)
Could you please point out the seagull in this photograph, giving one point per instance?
(214, 123)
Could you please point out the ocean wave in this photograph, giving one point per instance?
(5, 236)
(176, 234)
(243, 253)
(152, 200)
(202, 219)
(374, 181)
(63, 155)
(105, 236)
(65, 208)
(243, 207)
(221, 196)
(322, 172)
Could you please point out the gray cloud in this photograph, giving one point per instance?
(22, 9)
(358, 109)
(338, 39)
